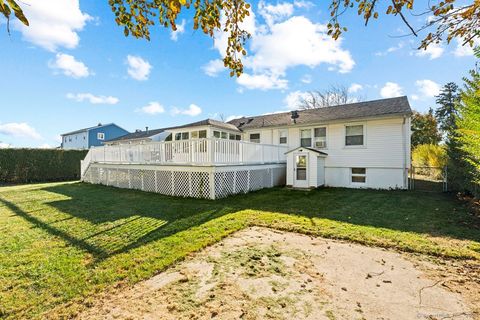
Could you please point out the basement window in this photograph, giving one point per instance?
(359, 175)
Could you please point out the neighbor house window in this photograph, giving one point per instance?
(182, 136)
(354, 135)
(359, 175)
(306, 138)
(320, 136)
(255, 137)
(283, 136)
(101, 136)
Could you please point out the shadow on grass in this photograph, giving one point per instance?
(108, 221)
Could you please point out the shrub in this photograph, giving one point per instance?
(427, 157)
(40, 165)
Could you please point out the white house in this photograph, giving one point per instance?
(358, 145)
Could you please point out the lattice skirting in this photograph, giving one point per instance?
(188, 181)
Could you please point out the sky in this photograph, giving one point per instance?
(74, 68)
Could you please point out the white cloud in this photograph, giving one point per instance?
(280, 45)
(4, 145)
(391, 90)
(19, 130)
(293, 99)
(53, 23)
(390, 50)
(306, 79)
(213, 67)
(428, 88)
(69, 66)
(45, 146)
(152, 108)
(180, 30)
(273, 13)
(193, 110)
(262, 81)
(465, 50)
(355, 87)
(295, 42)
(93, 99)
(138, 68)
(415, 97)
(433, 51)
(302, 4)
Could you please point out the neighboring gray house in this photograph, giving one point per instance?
(91, 137)
(219, 130)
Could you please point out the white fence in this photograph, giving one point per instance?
(182, 181)
(205, 152)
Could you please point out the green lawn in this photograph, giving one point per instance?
(63, 242)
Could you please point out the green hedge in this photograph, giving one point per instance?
(40, 165)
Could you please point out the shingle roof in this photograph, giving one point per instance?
(207, 122)
(89, 128)
(138, 135)
(357, 110)
(150, 133)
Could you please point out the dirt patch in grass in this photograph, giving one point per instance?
(260, 273)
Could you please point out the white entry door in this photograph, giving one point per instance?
(300, 179)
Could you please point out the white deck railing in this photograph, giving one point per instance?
(189, 152)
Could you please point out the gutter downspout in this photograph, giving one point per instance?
(404, 143)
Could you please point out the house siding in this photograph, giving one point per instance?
(385, 154)
(111, 132)
(75, 141)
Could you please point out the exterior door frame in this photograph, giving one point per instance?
(300, 183)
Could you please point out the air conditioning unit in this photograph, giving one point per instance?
(320, 144)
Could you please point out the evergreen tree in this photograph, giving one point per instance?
(467, 137)
(447, 111)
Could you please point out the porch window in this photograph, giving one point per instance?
(320, 135)
(238, 137)
(224, 135)
(216, 134)
(202, 134)
(359, 175)
(194, 134)
(354, 135)
(283, 136)
(231, 136)
(169, 138)
(255, 137)
(306, 138)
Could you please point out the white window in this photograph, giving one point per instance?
(306, 138)
(182, 136)
(101, 136)
(283, 134)
(359, 175)
(354, 135)
(320, 136)
(255, 137)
